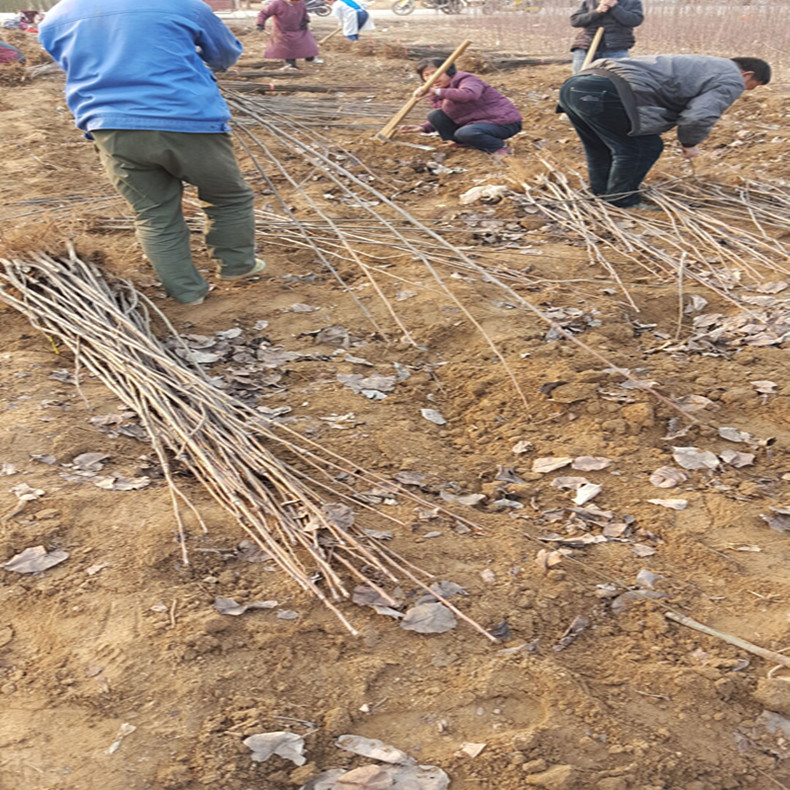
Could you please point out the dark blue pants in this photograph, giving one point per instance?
(488, 137)
(362, 17)
(616, 163)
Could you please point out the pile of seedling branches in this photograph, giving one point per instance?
(296, 505)
(699, 230)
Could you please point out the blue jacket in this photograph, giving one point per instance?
(141, 64)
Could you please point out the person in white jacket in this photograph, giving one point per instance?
(352, 16)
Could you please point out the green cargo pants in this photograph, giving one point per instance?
(149, 168)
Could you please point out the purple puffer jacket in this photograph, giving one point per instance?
(467, 99)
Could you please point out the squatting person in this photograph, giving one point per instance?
(467, 112)
(618, 18)
(139, 82)
(620, 108)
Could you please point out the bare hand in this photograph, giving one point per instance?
(690, 153)
(406, 128)
(420, 92)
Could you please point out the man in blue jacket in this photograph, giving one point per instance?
(139, 82)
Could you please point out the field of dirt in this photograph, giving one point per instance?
(116, 669)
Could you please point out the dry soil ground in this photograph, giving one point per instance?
(123, 633)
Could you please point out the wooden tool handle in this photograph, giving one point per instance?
(593, 48)
(391, 128)
(327, 37)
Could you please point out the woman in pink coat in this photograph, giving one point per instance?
(290, 37)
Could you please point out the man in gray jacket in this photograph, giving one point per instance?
(620, 108)
(618, 18)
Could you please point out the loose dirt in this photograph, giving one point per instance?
(633, 702)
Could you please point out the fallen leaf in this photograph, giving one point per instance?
(287, 745)
(590, 463)
(339, 515)
(230, 334)
(472, 749)
(199, 357)
(287, 614)
(34, 560)
(124, 730)
(411, 478)
(357, 360)
(429, 618)
(694, 458)
(780, 522)
(463, 499)
(772, 287)
(388, 611)
(131, 483)
(44, 459)
(375, 387)
(365, 595)
(501, 631)
(6, 470)
(300, 308)
(695, 304)
(433, 416)
(519, 448)
(569, 482)
(326, 780)
(734, 435)
(367, 777)
(378, 534)
(672, 504)
(586, 492)
(737, 459)
(372, 747)
(692, 403)
(333, 335)
(550, 464)
(668, 477)
(447, 589)
(642, 550)
(646, 578)
(615, 530)
(251, 552)
(89, 462)
(229, 606)
(506, 474)
(24, 493)
(574, 629)
(765, 387)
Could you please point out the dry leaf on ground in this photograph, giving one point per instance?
(229, 606)
(550, 463)
(590, 463)
(694, 458)
(34, 560)
(672, 504)
(373, 748)
(433, 416)
(287, 745)
(429, 618)
(668, 477)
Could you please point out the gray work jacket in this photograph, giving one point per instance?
(661, 91)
